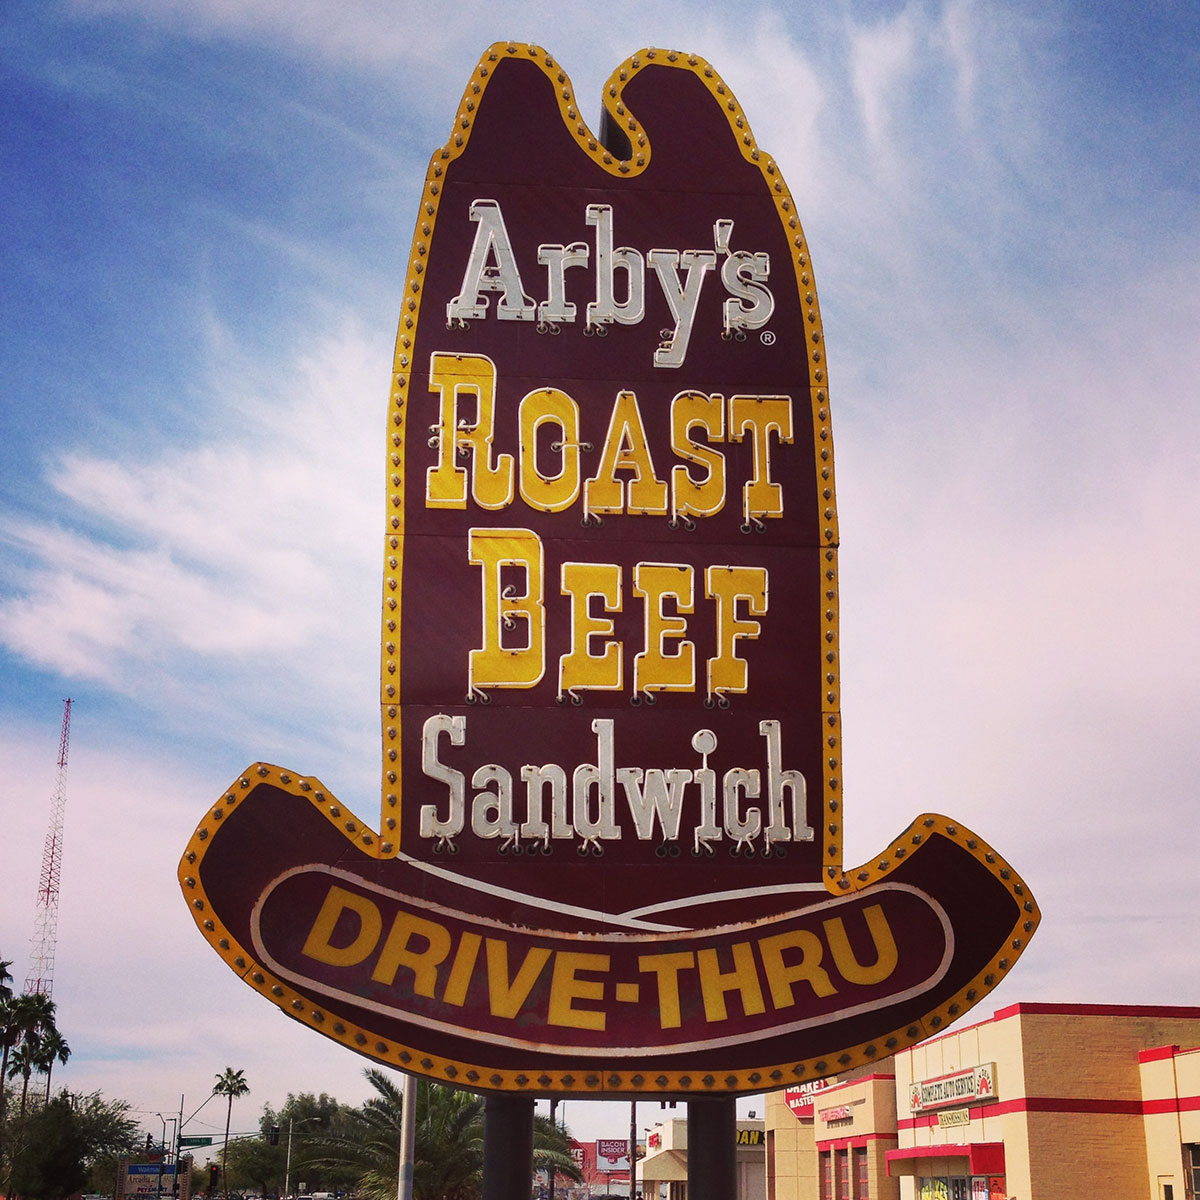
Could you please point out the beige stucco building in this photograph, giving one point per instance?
(663, 1173)
(1039, 1102)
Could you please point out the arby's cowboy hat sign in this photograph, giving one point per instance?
(609, 858)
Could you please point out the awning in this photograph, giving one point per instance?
(669, 1166)
(983, 1158)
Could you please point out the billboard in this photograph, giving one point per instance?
(612, 1155)
(153, 1179)
(800, 1098)
(609, 858)
(969, 1086)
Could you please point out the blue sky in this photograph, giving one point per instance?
(205, 219)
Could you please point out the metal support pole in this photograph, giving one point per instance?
(553, 1121)
(287, 1171)
(162, 1150)
(507, 1147)
(178, 1145)
(712, 1148)
(633, 1188)
(408, 1139)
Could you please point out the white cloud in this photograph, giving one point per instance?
(200, 572)
(881, 67)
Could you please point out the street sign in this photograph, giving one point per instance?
(195, 1141)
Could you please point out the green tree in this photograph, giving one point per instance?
(306, 1120)
(365, 1147)
(30, 1021)
(50, 1162)
(53, 1048)
(21, 1065)
(109, 1131)
(232, 1084)
(108, 1126)
(552, 1149)
(448, 1155)
(17, 1015)
(322, 1112)
(448, 1151)
(256, 1165)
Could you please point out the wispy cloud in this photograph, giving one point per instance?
(201, 570)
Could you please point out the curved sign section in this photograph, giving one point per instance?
(332, 933)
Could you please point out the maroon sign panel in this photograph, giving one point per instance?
(610, 853)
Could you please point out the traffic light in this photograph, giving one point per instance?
(273, 1135)
(214, 1174)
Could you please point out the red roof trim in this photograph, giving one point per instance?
(1159, 1052)
(845, 1083)
(1041, 1104)
(1182, 1012)
(860, 1140)
(1153, 1108)
(984, 1158)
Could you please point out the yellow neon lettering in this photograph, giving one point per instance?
(653, 668)
(500, 662)
(844, 959)
(763, 416)
(707, 497)
(461, 968)
(553, 407)
(727, 585)
(580, 668)
(625, 449)
(743, 979)
(666, 968)
(423, 962)
(370, 923)
(505, 998)
(781, 978)
(454, 377)
(566, 987)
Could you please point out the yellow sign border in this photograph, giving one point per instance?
(589, 144)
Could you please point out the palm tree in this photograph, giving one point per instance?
(448, 1152)
(22, 1062)
(5, 979)
(53, 1046)
(449, 1144)
(552, 1148)
(11, 1021)
(366, 1141)
(23, 1019)
(229, 1083)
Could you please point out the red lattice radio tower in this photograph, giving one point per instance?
(40, 980)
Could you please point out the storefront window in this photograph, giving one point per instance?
(1194, 1153)
(862, 1187)
(843, 1170)
(934, 1189)
(826, 1175)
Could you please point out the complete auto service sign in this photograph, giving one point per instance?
(609, 859)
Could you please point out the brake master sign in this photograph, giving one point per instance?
(609, 858)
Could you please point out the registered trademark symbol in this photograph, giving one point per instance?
(767, 337)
